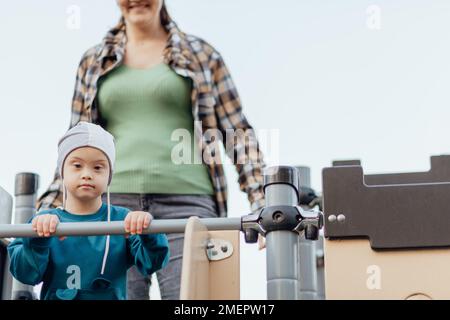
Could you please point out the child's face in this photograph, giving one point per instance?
(86, 173)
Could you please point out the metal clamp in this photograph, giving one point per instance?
(291, 218)
(218, 249)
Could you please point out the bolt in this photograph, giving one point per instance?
(341, 218)
(210, 245)
(332, 218)
(224, 248)
(278, 216)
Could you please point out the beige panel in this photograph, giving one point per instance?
(204, 279)
(195, 266)
(224, 282)
(354, 271)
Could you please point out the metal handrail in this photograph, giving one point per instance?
(117, 227)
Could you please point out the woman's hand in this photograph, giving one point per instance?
(136, 221)
(45, 225)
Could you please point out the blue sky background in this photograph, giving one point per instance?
(316, 72)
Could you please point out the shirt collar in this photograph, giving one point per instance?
(177, 49)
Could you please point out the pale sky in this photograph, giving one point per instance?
(337, 79)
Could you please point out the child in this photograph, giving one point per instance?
(91, 267)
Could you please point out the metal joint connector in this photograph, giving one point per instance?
(289, 218)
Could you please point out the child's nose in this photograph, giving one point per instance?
(87, 174)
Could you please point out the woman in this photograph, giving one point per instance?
(145, 83)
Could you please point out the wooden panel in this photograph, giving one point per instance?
(354, 271)
(224, 280)
(203, 279)
(195, 266)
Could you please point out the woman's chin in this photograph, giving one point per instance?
(139, 19)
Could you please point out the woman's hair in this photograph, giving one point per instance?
(164, 15)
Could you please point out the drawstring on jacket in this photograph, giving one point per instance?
(105, 256)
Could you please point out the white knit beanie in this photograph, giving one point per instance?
(85, 134)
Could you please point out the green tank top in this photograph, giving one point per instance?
(149, 113)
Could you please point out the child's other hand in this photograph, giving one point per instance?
(135, 221)
(45, 225)
(261, 242)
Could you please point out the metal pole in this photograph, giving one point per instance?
(307, 252)
(26, 186)
(281, 246)
(6, 203)
(5, 293)
(117, 227)
(320, 262)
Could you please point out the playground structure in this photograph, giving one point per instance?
(387, 235)
(380, 232)
(211, 254)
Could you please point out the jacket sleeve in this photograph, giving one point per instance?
(149, 252)
(240, 141)
(52, 197)
(29, 259)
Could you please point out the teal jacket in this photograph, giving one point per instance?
(71, 268)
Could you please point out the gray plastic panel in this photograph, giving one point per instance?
(392, 216)
(439, 172)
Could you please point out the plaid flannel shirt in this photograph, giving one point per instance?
(215, 105)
